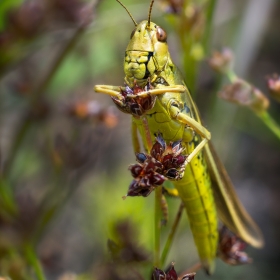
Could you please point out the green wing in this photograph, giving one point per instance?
(230, 209)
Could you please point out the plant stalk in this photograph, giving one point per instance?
(34, 262)
(269, 122)
(157, 225)
(171, 235)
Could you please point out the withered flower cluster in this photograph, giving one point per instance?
(164, 162)
(231, 248)
(135, 106)
(171, 274)
(244, 94)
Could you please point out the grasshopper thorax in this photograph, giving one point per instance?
(147, 53)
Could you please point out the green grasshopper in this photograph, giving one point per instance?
(165, 105)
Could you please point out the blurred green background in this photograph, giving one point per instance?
(65, 150)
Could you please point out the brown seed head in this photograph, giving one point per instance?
(164, 162)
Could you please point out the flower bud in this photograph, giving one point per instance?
(221, 61)
(273, 84)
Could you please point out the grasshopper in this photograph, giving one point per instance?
(165, 105)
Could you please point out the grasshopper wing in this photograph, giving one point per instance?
(230, 210)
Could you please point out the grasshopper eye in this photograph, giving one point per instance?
(133, 32)
(161, 35)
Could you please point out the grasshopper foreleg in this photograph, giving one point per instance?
(196, 126)
(110, 90)
(158, 91)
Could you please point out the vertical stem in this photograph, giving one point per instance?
(134, 136)
(231, 76)
(269, 122)
(7, 200)
(170, 238)
(147, 133)
(158, 194)
(34, 262)
(209, 24)
(191, 67)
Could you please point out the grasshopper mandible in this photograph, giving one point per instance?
(165, 105)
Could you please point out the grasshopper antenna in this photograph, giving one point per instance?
(135, 23)
(150, 12)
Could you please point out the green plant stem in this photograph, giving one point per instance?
(171, 235)
(7, 201)
(158, 194)
(231, 76)
(269, 122)
(208, 25)
(191, 67)
(34, 262)
(147, 132)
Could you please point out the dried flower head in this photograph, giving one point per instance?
(170, 274)
(245, 94)
(135, 106)
(273, 84)
(221, 61)
(230, 248)
(164, 162)
(189, 276)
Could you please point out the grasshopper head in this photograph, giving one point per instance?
(147, 52)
